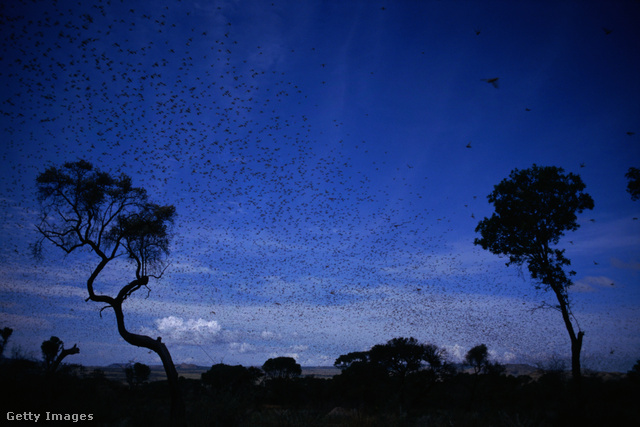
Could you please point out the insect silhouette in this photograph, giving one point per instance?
(493, 81)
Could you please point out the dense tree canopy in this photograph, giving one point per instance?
(397, 357)
(401, 356)
(82, 206)
(533, 209)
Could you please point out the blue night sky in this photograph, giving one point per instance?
(329, 162)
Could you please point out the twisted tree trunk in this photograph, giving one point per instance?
(178, 412)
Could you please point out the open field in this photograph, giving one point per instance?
(115, 371)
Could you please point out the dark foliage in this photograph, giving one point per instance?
(633, 186)
(533, 209)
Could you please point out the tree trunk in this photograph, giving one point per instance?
(64, 353)
(576, 347)
(178, 413)
(576, 340)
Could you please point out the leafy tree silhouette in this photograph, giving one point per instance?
(633, 186)
(361, 382)
(53, 352)
(281, 368)
(83, 207)
(478, 359)
(282, 385)
(235, 379)
(347, 360)
(533, 209)
(402, 356)
(5, 334)
(136, 374)
(389, 365)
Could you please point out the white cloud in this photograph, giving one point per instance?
(190, 331)
(244, 347)
(455, 353)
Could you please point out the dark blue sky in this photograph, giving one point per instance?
(329, 162)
